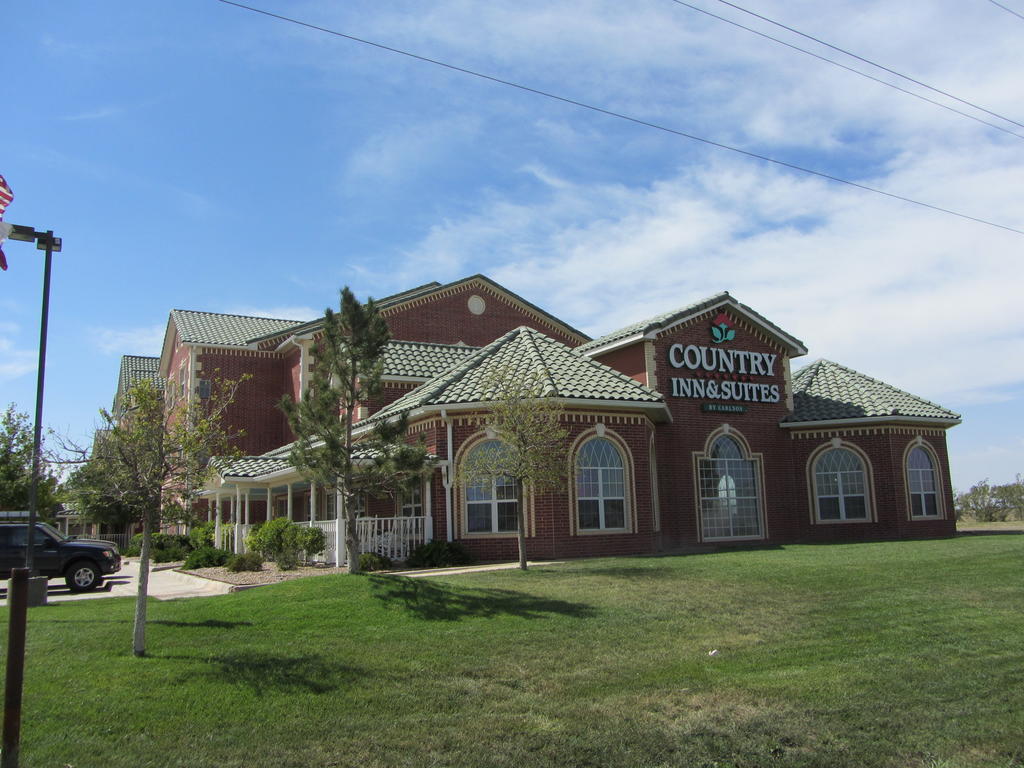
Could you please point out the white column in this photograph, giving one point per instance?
(236, 518)
(216, 525)
(289, 501)
(339, 539)
(428, 524)
(247, 519)
(209, 511)
(312, 502)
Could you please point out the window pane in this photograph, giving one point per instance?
(931, 506)
(828, 507)
(478, 517)
(856, 508)
(505, 488)
(507, 516)
(614, 514)
(589, 512)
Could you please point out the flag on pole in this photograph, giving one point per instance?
(5, 229)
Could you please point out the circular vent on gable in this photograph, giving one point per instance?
(476, 305)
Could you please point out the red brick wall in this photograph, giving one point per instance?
(446, 319)
(629, 360)
(255, 406)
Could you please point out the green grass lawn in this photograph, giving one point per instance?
(894, 654)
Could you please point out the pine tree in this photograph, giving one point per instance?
(349, 368)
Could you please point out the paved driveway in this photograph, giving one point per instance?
(164, 584)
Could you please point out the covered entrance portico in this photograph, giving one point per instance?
(250, 490)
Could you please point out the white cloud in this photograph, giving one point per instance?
(147, 341)
(15, 362)
(99, 113)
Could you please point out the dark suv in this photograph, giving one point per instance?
(82, 562)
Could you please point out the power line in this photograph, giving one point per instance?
(835, 63)
(619, 115)
(1008, 10)
(868, 61)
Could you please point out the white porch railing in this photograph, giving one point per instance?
(392, 537)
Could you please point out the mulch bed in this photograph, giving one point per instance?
(270, 574)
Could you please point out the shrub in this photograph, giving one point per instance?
(169, 555)
(202, 535)
(439, 554)
(283, 541)
(371, 561)
(248, 561)
(164, 547)
(206, 557)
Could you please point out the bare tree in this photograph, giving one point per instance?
(151, 462)
(529, 445)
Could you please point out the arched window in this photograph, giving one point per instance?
(492, 501)
(924, 499)
(729, 503)
(600, 486)
(840, 486)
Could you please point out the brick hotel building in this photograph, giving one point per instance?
(687, 429)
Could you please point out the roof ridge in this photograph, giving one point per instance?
(434, 344)
(531, 336)
(233, 314)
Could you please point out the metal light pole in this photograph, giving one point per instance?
(18, 588)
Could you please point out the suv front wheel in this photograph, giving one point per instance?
(82, 576)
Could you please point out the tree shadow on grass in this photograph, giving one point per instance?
(441, 602)
(273, 672)
(207, 624)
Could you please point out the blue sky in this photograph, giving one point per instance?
(194, 155)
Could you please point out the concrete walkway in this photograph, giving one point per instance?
(164, 584)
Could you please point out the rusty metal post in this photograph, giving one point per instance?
(17, 604)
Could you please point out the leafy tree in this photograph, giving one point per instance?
(1010, 498)
(147, 462)
(532, 441)
(348, 372)
(16, 467)
(95, 500)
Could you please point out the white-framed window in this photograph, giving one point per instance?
(730, 502)
(600, 486)
(840, 486)
(924, 497)
(410, 503)
(492, 502)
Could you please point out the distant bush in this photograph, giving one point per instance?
(283, 541)
(206, 557)
(371, 561)
(248, 561)
(439, 554)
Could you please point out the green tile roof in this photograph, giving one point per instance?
(825, 391)
(249, 466)
(277, 460)
(658, 322)
(135, 368)
(422, 360)
(231, 330)
(521, 353)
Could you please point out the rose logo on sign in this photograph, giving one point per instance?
(721, 329)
